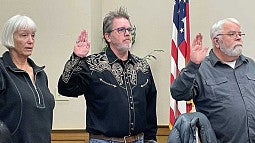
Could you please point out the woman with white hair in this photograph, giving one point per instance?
(26, 103)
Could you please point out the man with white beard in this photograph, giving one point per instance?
(222, 84)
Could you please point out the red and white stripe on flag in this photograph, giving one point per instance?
(180, 52)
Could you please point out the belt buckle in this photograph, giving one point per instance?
(125, 138)
(132, 138)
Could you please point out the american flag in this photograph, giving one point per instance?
(180, 52)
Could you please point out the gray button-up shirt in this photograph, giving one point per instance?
(225, 95)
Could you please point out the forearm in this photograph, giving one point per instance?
(68, 84)
(69, 89)
(183, 85)
(151, 115)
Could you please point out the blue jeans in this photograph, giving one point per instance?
(104, 141)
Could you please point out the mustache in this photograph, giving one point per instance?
(238, 45)
(128, 39)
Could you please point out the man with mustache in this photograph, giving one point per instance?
(118, 86)
(222, 84)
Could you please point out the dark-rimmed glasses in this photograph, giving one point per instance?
(122, 30)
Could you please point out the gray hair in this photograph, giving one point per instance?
(15, 23)
(108, 20)
(217, 27)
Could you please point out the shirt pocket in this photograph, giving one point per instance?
(143, 86)
(251, 77)
(107, 83)
(101, 87)
(217, 88)
(143, 83)
(251, 82)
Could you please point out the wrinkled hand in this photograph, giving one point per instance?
(82, 46)
(197, 52)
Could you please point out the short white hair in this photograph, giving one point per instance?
(13, 24)
(217, 27)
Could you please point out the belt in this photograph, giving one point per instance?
(125, 139)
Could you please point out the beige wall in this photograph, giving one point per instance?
(60, 21)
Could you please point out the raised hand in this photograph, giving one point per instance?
(197, 52)
(82, 46)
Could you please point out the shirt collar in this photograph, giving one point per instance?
(214, 59)
(9, 63)
(113, 58)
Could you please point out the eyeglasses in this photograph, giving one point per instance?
(122, 30)
(233, 34)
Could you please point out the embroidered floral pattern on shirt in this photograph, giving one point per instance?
(100, 63)
(117, 71)
(70, 67)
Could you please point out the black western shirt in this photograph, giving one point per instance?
(120, 95)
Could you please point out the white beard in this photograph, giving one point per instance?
(124, 47)
(236, 50)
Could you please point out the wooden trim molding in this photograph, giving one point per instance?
(163, 130)
(69, 135)
(81, 136)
